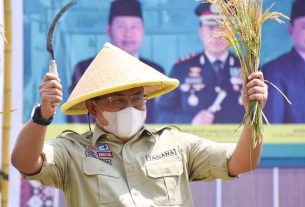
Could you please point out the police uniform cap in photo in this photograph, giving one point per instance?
(298, 10)
(114, 70)
(207, 13)
(125, 8)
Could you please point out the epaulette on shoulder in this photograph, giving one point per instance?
(66, 132)
(170, 127)
(187, 57)
(74, 133)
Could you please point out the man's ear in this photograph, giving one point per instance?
(91, 106)
(93, 110)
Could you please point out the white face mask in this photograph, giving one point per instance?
(125, 123)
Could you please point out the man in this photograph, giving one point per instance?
(287, 72)
(210, 90)
(126, 31)
(122, 163)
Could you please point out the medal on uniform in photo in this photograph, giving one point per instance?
(236, 87)
(193, 100)
(185, 87)
(236, 79)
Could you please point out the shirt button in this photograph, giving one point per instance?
(167, 170)
(101, 169)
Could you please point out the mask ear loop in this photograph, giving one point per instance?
(89, 122)
(89, 119)
(100, 112)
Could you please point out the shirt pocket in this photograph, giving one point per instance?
(104, 178)
(165, 181)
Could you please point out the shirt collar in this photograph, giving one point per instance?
(97, 133)
(222, 58)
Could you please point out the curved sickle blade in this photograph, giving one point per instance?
(53, 25)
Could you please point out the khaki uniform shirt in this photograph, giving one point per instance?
(152, 169)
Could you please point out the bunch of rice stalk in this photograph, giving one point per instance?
(241, 26)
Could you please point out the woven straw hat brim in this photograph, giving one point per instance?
(114, 70)
(152, 89)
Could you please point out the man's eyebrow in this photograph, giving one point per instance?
(121, 94)
(139, 93)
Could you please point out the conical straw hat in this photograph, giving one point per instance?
(114, 70)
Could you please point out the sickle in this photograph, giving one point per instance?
(52, 65)
(53, 25)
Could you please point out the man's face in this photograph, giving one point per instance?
(213, 45)
(113, 102)
(126, 32)
(297, 32)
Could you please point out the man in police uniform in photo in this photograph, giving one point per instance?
(126, 31)
(287, 72)
(211, 83)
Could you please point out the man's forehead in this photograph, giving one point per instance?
(123, 19)
(128, 92)
(211, 23)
